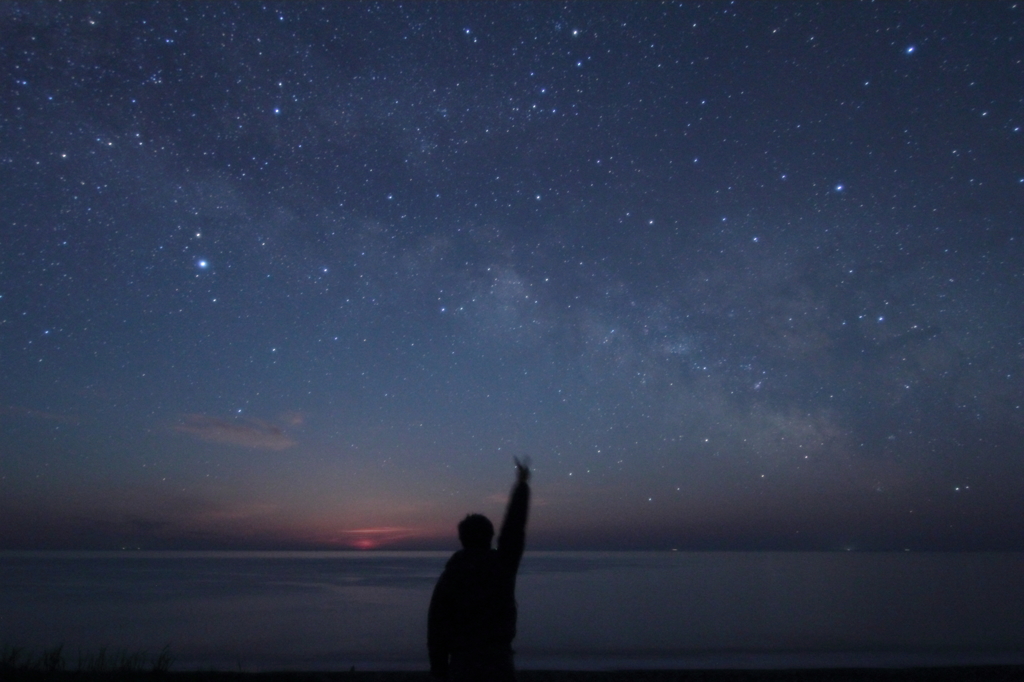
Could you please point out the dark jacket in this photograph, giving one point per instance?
(474, 603)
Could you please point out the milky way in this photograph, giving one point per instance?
(734, 275)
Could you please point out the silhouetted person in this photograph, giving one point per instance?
(472, 618)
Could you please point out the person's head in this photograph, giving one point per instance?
(475, 532)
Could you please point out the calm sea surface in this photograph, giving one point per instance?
(586, 610)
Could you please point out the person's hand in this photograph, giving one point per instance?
(522, 469)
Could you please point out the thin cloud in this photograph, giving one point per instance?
(250, 433)
(293, 418)
(372, 538)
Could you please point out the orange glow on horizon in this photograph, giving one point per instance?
(375, 538)
(365, 543)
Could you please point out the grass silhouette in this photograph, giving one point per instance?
(23, 664)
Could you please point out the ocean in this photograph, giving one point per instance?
(577, 610)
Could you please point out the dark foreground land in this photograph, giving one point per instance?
(957, 674)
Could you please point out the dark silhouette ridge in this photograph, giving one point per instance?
(472, 617)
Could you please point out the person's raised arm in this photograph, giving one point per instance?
(512, 539)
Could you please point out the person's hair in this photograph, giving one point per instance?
(476, 531)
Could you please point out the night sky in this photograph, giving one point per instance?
(735, 276)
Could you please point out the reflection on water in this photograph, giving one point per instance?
(317, 610)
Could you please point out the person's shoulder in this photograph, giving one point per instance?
(466, 559)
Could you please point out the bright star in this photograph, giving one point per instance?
(202, 264)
